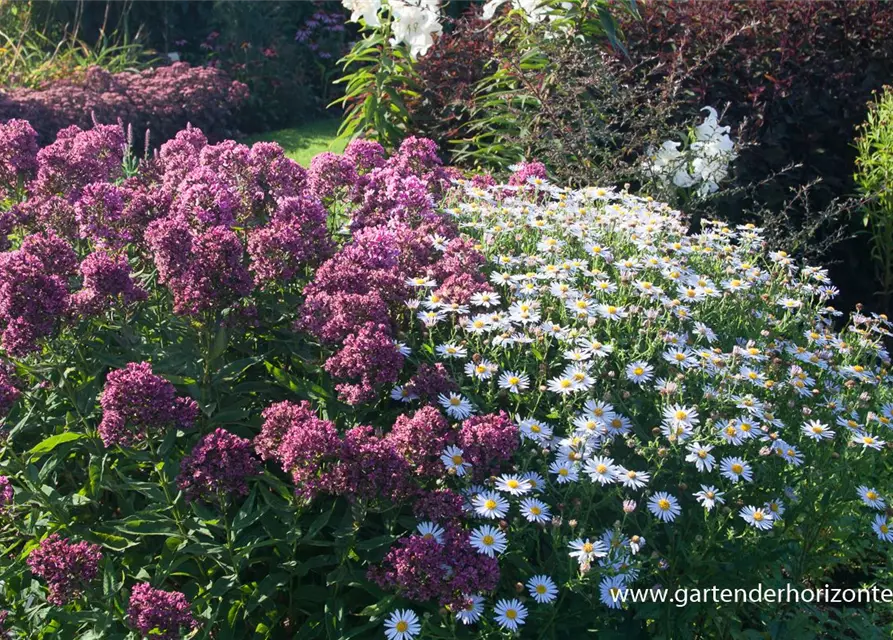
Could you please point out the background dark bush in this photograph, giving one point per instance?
(162, 100)
(795, 76)
(448, 73)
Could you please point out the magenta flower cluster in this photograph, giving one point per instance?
(217, 220)
(66, 566)
(361, 463)
(137, 404)
(9, 390)
(159, 614)
(7, 493)
(18, 155)
(219, 466)
(488, 441)
(106, 280)
(356, 295)
(321, 461)
(33, 290)
(422, 568)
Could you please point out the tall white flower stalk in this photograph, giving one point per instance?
(413, 23)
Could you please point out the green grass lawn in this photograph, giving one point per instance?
(304, 142)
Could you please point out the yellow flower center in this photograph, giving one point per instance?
(513, 484)
(511, 614)
(402, 626)
(488, 540)
(871, 495)
(514, 380)
(587, 547)
(601, 468)
(737, 468)
(663, 504)
(535, 510)
(638, 371)
(758, 515)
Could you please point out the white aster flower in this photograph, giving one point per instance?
(456, 406)
(402, 625)
(664, 506)
(535, 510)
(709, 497)
(510, 614)
(488, 540)
(490, 504)
(453, 460)
(472, 611)
(871, 497)
(757, 517)
(542, 589)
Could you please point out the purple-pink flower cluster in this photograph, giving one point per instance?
(9, 390)
(359, 464)
(204, 270)
(294, 239)
(219, 465)
(77, 158)
(487, 441)
(66, 566)
(6, 493)
(422, 568)
(367, 360)
(106, 279)
(421, 439)
(306, 447)
(33, 290)
(137, 404)
(18, 155)
(159, 614)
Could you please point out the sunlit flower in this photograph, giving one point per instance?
(542, 589)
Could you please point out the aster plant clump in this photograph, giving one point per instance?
(375, 398)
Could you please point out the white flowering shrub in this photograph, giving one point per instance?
(701, 165)
(693, 413)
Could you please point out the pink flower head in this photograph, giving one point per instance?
(423, 569)
(422, 438)
(106, 279)
(159, 614)
(219, 464)
(487, 441)
(137, 404)
(367, 360)
(66, 566)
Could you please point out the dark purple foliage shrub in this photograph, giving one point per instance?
(162, 100)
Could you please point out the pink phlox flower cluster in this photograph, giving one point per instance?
(136, 404)
(66, 566)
